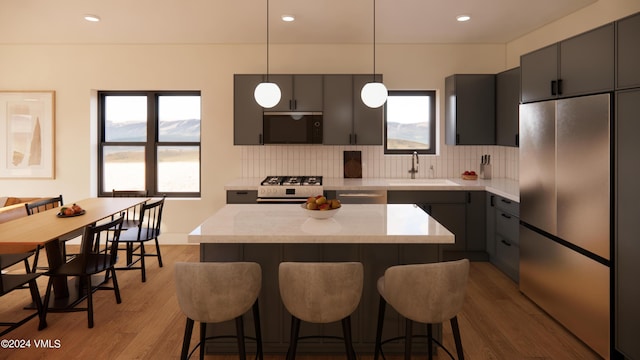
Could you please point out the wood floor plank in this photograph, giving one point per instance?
(497, 322)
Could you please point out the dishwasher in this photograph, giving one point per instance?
(361, 196)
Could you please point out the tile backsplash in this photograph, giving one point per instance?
(261, 161)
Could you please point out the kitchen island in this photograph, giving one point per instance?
(379, 236)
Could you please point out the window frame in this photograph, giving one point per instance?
(151, 144)
(432, 124)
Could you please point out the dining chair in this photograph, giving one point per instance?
(132, 214)
(425, 293)
(134, 238)
(98, 254)
(11, 281)
(48, 204)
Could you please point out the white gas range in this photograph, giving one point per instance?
(289, 189)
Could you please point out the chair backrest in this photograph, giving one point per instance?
(43, 205)
(132, 213)
(427, 293)
(214, 292)
(321, 292)
(101, 239)
(150, 219)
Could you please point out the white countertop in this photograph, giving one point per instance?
(352, 224)
(507, 188)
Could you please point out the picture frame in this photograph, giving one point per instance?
(27, 134)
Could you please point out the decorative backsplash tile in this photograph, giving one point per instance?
(261, 161)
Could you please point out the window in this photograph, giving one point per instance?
(410, 122)
(149, 140)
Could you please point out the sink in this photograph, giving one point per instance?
(423, 182)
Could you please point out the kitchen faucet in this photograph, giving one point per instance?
(415, 161)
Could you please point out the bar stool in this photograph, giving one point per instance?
(425, 293)
(321, 293)
(211, 292)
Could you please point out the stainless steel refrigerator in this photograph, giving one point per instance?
(565, 212)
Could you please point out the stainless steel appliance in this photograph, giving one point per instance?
(289, 189)
(292, 127)
(565, 212)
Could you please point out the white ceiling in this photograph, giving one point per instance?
(244, 21)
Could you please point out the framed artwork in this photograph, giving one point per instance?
(27, 134)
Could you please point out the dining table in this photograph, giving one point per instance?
(43, 230)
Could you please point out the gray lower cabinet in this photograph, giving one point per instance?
(503, 243)
(507, 105)
(470, 112)
(247, 114)
(627, 246)
(346, 119)
(461, 212)
(242, 196)
(628, 52)
(583, 64)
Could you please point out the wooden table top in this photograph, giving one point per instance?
(40, 228)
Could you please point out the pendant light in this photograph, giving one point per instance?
(374, 94)
(267, 94)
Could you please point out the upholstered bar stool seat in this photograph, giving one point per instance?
(212, 292)
(321, 293)
(424, 293)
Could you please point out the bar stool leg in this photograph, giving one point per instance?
(188, 330)
(430, 341)
(240, 337)
(456, 336)
(407, 339)
(348, 341)
(293, 341)
(203, 337)
(256, 322)
(378, 345)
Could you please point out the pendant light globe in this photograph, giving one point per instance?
(374, 94)
(267, 94)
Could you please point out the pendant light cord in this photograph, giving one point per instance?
(374, 41)
(268, 40)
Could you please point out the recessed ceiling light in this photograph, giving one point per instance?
(288, 18)
(92, 18)
(463, 18)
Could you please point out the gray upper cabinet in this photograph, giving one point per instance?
(337, 119)
(346, 119)
(299, 92)
(628, 47)
(580, 65)
(247, 114)
(507, 105)
(470, 116)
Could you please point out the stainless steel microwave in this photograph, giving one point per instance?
(292, 127)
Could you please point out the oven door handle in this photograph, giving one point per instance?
(281, 200)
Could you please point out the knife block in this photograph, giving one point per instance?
(485, 171)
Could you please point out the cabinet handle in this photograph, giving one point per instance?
(468, 198)
(492, 201)
(355, 139)
(506, 201)
(242, 193)
(517, 139)
(260, 139)
(559, 86)
(295, 104)
(505, 216)
(457, 139)
(554, 87)
(505, 242)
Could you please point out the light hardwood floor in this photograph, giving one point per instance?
(497, 321)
